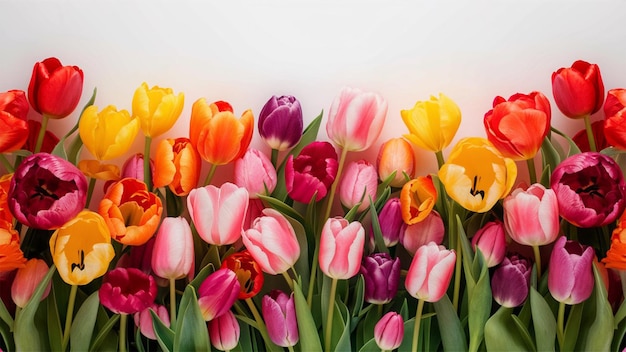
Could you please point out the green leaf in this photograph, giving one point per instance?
(573, 148)
(549, 155)
(202, 275)
(103, 336)
(164, 335)
(309, 336)
(191, 330)
(572, 328)
(599, 330)
(502, 334)
(341, 323)
(5, 315)
(543, 321)
(282, 208)
(55, 334)
(84, 322)
(378, 233)
(138, 341)
(545, 176)
(358, 296)
(479, 306)
(523, 330)
(452, 334)
(59, 149)
(7, 336)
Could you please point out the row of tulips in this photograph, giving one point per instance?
(453, 259)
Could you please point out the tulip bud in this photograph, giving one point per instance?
(531, 217)
(491, 241)
(156, 108)
(433, 123)
(218, 293)
(570, 276)
(389, 331)
(133, 167)
(224, 331)
(381, 274)
(255, 172)
(391, 224)
(430, 261)
(358, 184)
(431, 229)
(143, 319)
(172, 255)
(341, 248)
(55, 90)
(578, 90)
(511, 281)
(280, 122)
(26, 281)
(279, 313)
(396, 155)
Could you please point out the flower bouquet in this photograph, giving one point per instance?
(308, 245)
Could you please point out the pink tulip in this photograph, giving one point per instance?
(531, 217)
(218, 213)
(255, 172)
(389, 331)
(272, 242)
(143, 320)
(341, 248)
(217, 293)
(491, 241)
(133, 167)
(358, 184)
(431, 229)
(172, 255)
(391, 224)
(127, 291)
(224, 331)
(570, 276)
(312, 172)
(26, 281)
(279, 313)
(430, 272)
(355, 119)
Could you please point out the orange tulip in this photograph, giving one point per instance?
(177, 165)
(417, 199)
(5, 213)
(11, 256)
(397, 155)
(215, 132)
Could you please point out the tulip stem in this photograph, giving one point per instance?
(42, 133)
(123, 332)
(333, 187)
(329, 315)
(92, 185)
(440, 161)
(288, 279)
(560, 334)
(274, 157)
(532, 173)
(537, 261)
(260, 324)
(147, 175)
(68, 317)
(209, 176)
(309, 296)
(172, 302)
(290, 348)
(416, 326)
(592, 141)
(6, 163)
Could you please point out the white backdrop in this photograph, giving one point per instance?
(245, 51)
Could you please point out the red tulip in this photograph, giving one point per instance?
(50, 140)
(615, 118)
(248, 273)
(578, 90)
(341, 248)
(599, 136)
(13, 120)
(312, 172)
(127, 291)
(54, 90)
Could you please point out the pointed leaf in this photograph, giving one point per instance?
(191, 332)
(600, 331)
(164, 335)
(543, 321)
(55, 334)
(309, 336)
(103, 336)
(501, 333)
(452, 333)
(84, 322)
(283, 208)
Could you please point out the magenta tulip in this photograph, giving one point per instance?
(510, 283)
(341, 248)
(26, 281)
(531, 217)
(491, 241)
(431, 229)
(272, 242)
(279, 313)
(312, 172)
(570, 276)
(133, 167)
(127, 291)
(590, 189)
(280, 122)
(218, 293)
(389, 331)
(255, 172)
(430, 272)
(54, 90)
(355, 119)
(381, 275)
(391, 224)
(143, 319)
(218, 213)
(578, 90)
(358, 184)
(224, 331)
(172, 255)
(46, 191)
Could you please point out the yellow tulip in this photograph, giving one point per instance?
(476, 175)
(95, 169)
(157, 109)
(433, 123)
(81, 248)
(109, 133)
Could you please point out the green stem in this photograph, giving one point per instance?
(172, 302)
(532, 173)
(440, 161)
(329, 316)
(209, 176)
(92, 185)
(123, 332)
(147, 175)
(42, 133)
(455, 235)
(592, 141)
(333, 188)
(290, 348)
(416, 326)
(288, 279)
(560, 332)
(6, 163)
(316, 252)
(537, 253)
(274, 157)
(68, 317)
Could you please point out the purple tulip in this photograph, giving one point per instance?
(312, 172)
(280, 122)
(381, 274)
(391, 224)
(590, 189)
(279, 313)
(46, 191)
(217, 293)
(511, 281)
(570, 277)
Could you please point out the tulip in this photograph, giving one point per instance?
(312, 172)
(127, 291)
(589, 188)
(13, 120)
(477, 186)
(217, 134)
(358, 185)
(355, 119)
(391, 223)
(491, 241)
(599, 136)
(381, 275)
(50, 140)
(431, 229)
(280, 122)
(97, 170)
(396, 155)
(279, 313)
(615, 118)
(224, 331)
(389, 331)
(616, 255)
(156, 108)
(26, 281)
(272, 242)
(518, 126)
(417, 199)
(143, 320)
(255, 172)
(578, 90)
(80, 258)
(46, 191)
(531, 217)
(433, 123)
(570, 277)
(341, 248)
(5, 184)
(177, 165)
(11, 256)
(510, 283)
(430, 272)
(54, 90)
(218, 293)
(131, 212)
(218, 213)
(248, 273)
(108, 133)
(133, 167)
(173, 256)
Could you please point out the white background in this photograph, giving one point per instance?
(244, 52)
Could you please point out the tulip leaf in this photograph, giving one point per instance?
(282, 208)
(618, 336)
(191, 329)
(7, 336)
(174, 203)
(309, 337)
(5, 315)
(378, 233)
(55, 334)
(572, 329)
(502, 334)
(573, 148)
(164, 335)
(543, 321)
(597, 321)
(545, 176)
(302, 264)
(341, 323)
(620, 314)
(549, 155)
(370, 346)
(202, 275)
(245, 341)
(452, 333)
(358, 296)
(106, 339)
(523, 330)
(138, 342)
(479, 306)
(84, 322)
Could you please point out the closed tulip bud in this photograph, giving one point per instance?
(248, 273)
(430, 272)
(578, 90)
(570, 276)
(280, 122)
(172, 255)
(396, 155)
(13, 120)
(217, 293)
(417, 199)
(358, 184)
(218, 213)
(389, 331)
(341, 248)
(143, 319)
(433, 123)
(491, 241)
(177, 165)
(431, 229)
(391, 224)
(531, 217)
(108, 133)
(510, 283)
(26, 281)
(279, 313)
(224, 331)
(615, 118)
(133, 167)
(156, 108)
(355, 119)
(55, 90)
(127, 291)
(381, 274)
(255, 172)
(312, 172)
